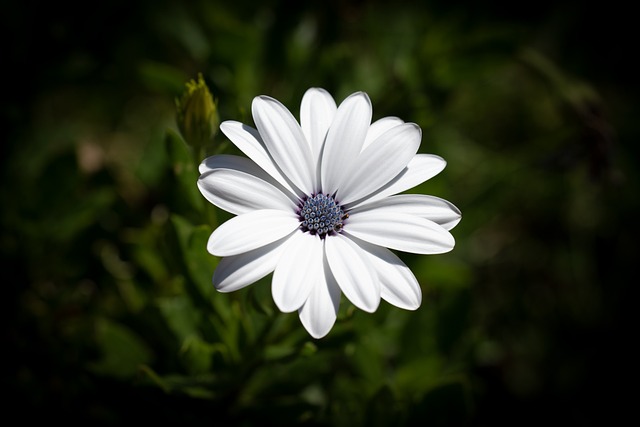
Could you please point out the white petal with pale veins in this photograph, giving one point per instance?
(379, 127)
(236, 272)
(379, 163)
(398, 284)
(285, 142)
(297, 273)
(250, 231)
(421, 168)
(353, 272)
(248, 140)
(319, 312)
(438, 210)
(344, 140)
(398, 231)
(239, 191)
(228, 161)
(317, 111)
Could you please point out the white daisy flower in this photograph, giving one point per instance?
(317, 206)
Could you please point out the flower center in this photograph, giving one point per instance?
(321, 215)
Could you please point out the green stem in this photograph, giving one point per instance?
(199, 154)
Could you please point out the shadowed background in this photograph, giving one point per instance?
(111, 315)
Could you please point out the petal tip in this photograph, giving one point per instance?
(363, 95)
(317, 89)
(359, 95)
(263, 98)
(370, 308)
(284, 308)
(316, 333)
(415, 126)
(317, 329)
(441, 159)
(409, 306)
(226, 124)
(258, 102)
(219, 285)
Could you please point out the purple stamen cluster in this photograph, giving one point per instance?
(321, 215)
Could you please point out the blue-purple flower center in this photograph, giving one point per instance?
(321, 215)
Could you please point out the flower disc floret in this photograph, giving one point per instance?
(320, 214)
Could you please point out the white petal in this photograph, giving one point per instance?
(379, 163)
(344, 140)
(421, 168)
(438, 210)
(379, 127)
(316, 115)
(298, 271)
(248, 140)
(285, 141)
(400, 231)
(399, 286)
(319, 312)
(252, 230)
(238, 191)
(351, 268)
(228, 161)
(236, 272)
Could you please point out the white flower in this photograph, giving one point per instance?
(316, 205)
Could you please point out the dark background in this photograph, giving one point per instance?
(528, 320)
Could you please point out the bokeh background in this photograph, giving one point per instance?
(110, 316)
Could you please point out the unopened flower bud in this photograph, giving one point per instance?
(197, 115)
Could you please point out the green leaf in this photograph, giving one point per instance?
(197, 354)
(418, 376)
(157, 379)
(278, 351)
(193, 246)
(200, 263)
(200, 386)
(259, 296)
(184, 170)
(146, 255)
(122, 350)
(181, 316)
(69, 219)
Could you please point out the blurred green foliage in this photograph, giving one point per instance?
(112, 318)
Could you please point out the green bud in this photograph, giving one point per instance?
(197, 115)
